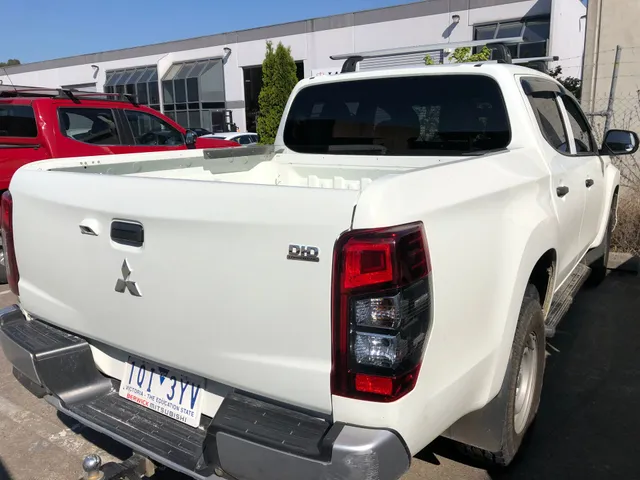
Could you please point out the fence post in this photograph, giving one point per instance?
(612, 92)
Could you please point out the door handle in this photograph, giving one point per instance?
(562, 191)
(588, 182)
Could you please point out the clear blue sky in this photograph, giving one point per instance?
(36, 30)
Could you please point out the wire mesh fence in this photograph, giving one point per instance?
(622, 113)
(619, 108)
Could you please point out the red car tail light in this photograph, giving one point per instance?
(381, 311)
(6, 224)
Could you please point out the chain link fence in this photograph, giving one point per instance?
(621, 110)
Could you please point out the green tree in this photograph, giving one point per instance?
(464, 55)
(278, 79)
(573, 84)
(10, 62)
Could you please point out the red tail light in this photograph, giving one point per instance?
(381, 311)
(13, 276)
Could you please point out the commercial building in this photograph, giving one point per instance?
(199, 80)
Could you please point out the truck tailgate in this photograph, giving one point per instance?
(218, 296)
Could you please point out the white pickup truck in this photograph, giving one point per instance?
(325, 308)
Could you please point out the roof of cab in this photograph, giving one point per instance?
(486, 68)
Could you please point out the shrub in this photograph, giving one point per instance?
(278, 79)
(626, 236)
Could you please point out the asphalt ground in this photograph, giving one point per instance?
(587, 427)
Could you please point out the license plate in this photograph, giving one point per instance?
(164, 390)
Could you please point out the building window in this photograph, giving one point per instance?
(534, 31)
(193, 94)
(142, 82)
(252, 87)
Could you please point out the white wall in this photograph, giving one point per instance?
(76, 74)
(567, 37)
(568, 27)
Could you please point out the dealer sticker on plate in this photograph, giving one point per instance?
(164, 390)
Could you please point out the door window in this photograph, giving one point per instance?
(581, 131)
(96, 126)
(148, 129)
(547, 111)
(243, 139)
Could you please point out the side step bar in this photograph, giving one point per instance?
(563, 299)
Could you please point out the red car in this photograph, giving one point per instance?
(37, 124)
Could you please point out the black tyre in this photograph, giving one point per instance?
(599, 266)
(522, 384)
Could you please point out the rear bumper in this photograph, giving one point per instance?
(247, 439)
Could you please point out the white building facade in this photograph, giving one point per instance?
(200, 81)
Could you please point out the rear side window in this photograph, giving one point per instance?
(419, 115)
(96, 126)
(581, 131)
(549, 118)
(542, 96)
(17, 121)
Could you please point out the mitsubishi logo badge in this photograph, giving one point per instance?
(124, 282)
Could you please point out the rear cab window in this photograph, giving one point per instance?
(424, 115)
(96, 126)
(17, 121)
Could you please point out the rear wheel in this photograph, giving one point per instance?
(522, 383)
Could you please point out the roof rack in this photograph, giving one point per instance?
(536, 63)
(73, 94)
(500, 53)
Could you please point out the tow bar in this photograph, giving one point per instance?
(136, 467)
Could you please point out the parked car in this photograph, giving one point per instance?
(247, 138)
(325, 308)
(37, 124)
(200, 131)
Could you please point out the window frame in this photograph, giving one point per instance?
(523, 21)
(114, 113)
(595, 151)
(131, 136)
(554, 91)
(559, 91)
(113, 79)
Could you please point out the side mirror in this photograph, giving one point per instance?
(190, 139)
(620, 142)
